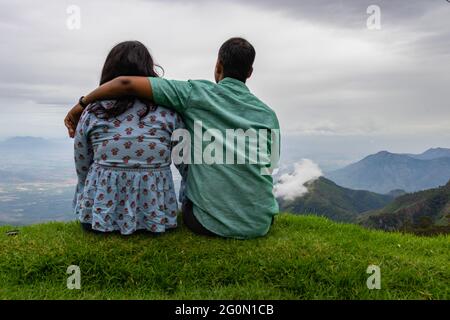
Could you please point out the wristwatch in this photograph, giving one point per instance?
(81, 103)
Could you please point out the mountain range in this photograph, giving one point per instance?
(385, 171)
(425, 212)
(432, 153)
(326, 198)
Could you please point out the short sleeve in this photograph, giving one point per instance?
(172, 94)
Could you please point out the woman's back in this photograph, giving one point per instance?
(129, 141)
(123, 167)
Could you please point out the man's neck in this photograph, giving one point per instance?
(233, 79)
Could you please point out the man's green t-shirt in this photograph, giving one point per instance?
(231, 200)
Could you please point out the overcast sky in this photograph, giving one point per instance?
(336, 86)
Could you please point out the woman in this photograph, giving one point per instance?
(123, 155)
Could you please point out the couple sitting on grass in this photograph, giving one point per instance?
(124, 138)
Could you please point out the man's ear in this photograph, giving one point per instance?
(219, 67)
(218, 71)
(250, 73)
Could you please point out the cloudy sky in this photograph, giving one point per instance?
(340, 89)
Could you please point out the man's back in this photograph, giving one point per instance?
(230, 194)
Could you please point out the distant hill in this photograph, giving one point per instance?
(396, 193)
(424, 212)
(433, 153)
(326, 198)
(384, 171)
(25, 143)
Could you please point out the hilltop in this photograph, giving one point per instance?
(432, 153)
(303, 257)
(424, 212)
(326, 198)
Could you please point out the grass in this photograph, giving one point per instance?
(303, 257)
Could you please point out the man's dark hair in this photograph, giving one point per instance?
(237, 56)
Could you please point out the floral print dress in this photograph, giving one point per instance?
(123, 166)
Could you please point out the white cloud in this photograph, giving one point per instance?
(291, 186)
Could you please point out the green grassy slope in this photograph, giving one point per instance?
(302, 257)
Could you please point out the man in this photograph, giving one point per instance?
(222, 199)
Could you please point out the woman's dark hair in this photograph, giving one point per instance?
(128, 58)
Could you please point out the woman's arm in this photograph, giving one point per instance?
(83, 153)
(118, 87)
